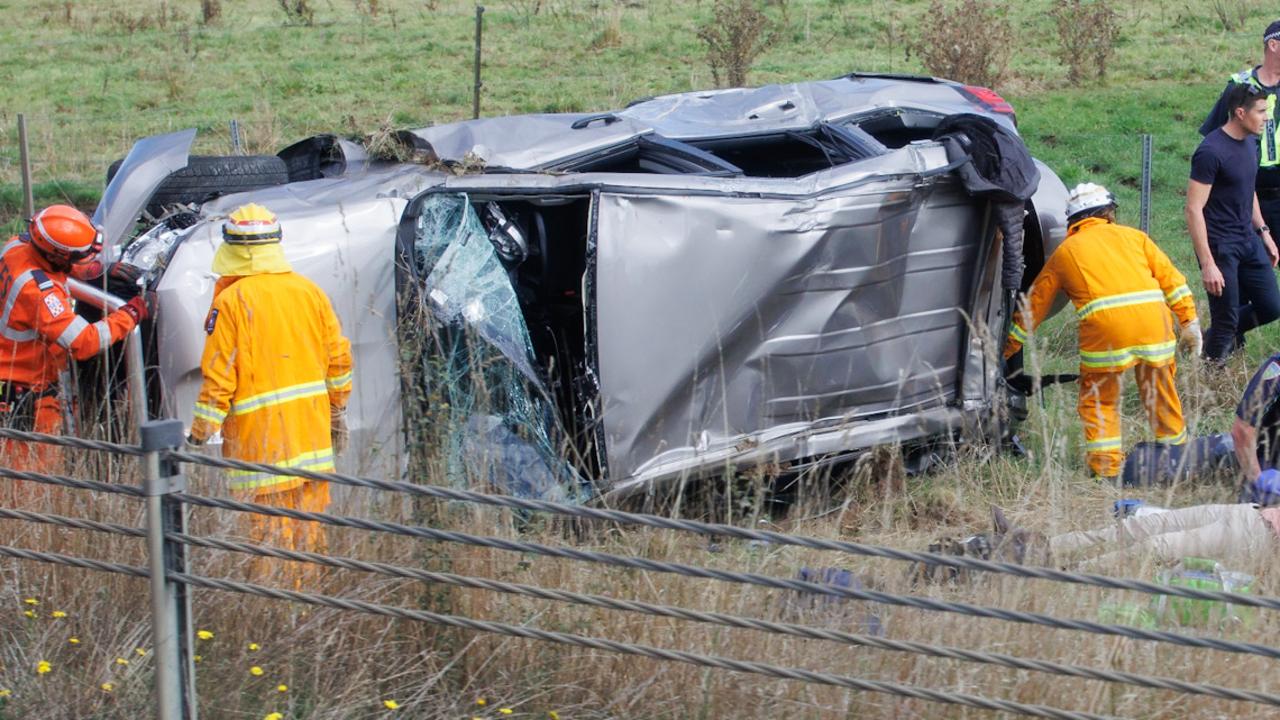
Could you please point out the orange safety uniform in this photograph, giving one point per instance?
(275, 366)
(39, 331)
(1123, 287)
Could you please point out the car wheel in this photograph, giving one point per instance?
(208, 176)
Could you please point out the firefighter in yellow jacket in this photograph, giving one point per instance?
(1123, 288)
(277, 374)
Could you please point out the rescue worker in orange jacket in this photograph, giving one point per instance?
(277, 374)
(39, 329)
(1123, 288)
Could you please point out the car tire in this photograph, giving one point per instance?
(208, 176)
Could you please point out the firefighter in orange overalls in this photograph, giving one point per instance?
(39, 329)
(277, 374)
(1123, 288)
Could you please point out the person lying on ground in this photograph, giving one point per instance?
(1236, 534)
(1232, 534)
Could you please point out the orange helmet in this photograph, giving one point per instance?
(63, 233)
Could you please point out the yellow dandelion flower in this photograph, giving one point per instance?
(253, 647)
(255, 671)
(59, 614)
(274, 716)
(29, 614)
(390, 704)
(282, 688)
(553, 715)
(142, 652)
(5, 692)
(43, 667)
(121, 661)
(31, 601)
(505, 711)
(198, 658)
(480, 702)
(204, 634)
(107, 687)
(74, 640)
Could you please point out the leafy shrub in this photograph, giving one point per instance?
(299, 11)
(1233, 14)
(210, 10)
(735, 35)
(968, 40)
(1087, 33)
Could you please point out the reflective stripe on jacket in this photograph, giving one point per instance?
(274, 363)
(1122, 287)
(39, 328)
(1269, 138)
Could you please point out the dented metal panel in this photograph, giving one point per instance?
(148, 163)
(820, 313)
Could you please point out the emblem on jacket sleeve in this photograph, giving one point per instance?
(55, 305)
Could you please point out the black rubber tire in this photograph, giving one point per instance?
(208, 176)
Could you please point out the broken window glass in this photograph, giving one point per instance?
(497, 426)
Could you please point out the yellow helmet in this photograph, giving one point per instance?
(251, 224)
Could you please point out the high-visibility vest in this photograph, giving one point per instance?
(1269, 140)
(1123, 288)
(39, 329)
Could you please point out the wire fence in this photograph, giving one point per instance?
(166, 534)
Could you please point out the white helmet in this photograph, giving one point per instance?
(1088, 196)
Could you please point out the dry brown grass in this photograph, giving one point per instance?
(342, 665)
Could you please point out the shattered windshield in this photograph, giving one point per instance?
(496, 426)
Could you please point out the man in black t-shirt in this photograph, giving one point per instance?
(1225, 223)
(1266, 78)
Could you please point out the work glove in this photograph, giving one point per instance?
(1191, 340)
(194, 442)
(1265, 490)
(338, 430)
(137, 309)
(122, 280)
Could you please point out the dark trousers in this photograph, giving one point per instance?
(1249, 298)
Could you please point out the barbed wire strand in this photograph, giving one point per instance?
(727, 620)
(712, 661)
(796, 630)
(920, 603)
(72, 561)
(730, 531)
(660, 522)
(62, 481)
(71, 441)
(656, 653)
(654, 521)
(609, 603)
(71, 522)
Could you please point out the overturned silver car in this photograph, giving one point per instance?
(604, 303)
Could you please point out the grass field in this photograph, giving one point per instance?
(93, 76)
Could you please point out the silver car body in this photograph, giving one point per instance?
(730, 318)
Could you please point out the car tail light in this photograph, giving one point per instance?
(986, 97)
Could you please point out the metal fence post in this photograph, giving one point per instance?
(24, 153)
(170, 601)
(475, 89)
(1144, 204)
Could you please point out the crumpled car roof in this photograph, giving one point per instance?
(532, 142)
